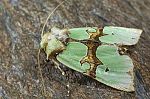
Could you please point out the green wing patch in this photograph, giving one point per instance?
(71, 57)
(121, 35)
(80, 33)
(117, 70)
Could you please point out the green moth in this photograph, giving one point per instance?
(96, 52)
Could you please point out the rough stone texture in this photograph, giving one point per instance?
(20, 27)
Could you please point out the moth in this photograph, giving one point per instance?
(95, 52)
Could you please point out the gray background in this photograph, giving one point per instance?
(20, 27)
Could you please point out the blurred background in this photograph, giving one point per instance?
(21, 23)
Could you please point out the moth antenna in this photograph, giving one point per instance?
(50, 16)
(41, 76)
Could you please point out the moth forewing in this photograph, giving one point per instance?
(121, 35)
(119, 72)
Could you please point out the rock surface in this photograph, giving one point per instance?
(21, 22)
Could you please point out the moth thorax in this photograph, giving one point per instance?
(56, 42)
(60, 34)
(54, 47)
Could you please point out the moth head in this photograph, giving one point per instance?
(54, 42)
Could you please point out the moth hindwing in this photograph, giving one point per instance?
(94, 52)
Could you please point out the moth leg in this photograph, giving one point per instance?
(57, 63)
